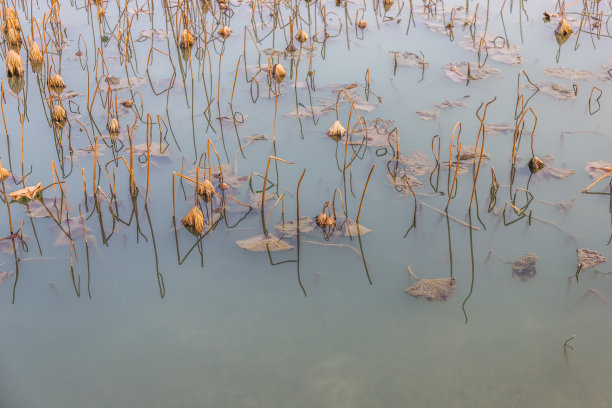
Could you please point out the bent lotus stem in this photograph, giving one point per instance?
(263, 193)
(363, 194)
(132, 179)
(282, 197)
(483, 130)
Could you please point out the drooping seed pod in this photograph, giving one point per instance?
(387, 4)
(13, 37)
(128, 104)
(186, 39)
(278, 73)
(535, 164)
(11, 20)
(223, 186)
(206, 189)
(336, 130)
(113, 126)
(56, 82)
(14, 65)
(225, 31)
(330, 222)
(58, 114)
(321, 219)
(301, 36)
(194, 219)
(4, 173)
(563, 29)
(362, 24)
(34, 54)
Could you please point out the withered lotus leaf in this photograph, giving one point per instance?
(26, 194)
(588, 258)
(261, 243)
(525, 267)
(433, 289)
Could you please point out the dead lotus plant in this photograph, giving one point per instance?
(14, 65)
(56, 82)
(186, 40)
(336, 131)
(11, 20)
(113, 126)
(225, 32)
(4, 173)
(194, 219)
(278, 73)
(432, 289)
(301, 36)
(34, 53)
(58, 114)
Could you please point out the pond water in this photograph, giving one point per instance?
(140, 311)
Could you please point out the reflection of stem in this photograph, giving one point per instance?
(86, 253)
(160, 277)
(298, 232)
(472, 259)
(352, 248)
(451, 217)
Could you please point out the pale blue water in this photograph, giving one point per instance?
(234, 330)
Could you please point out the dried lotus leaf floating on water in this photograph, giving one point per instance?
(429, 114)
(460, 71)
(496, 48)
(471, 152)
(449, 103)
(569, 73)
(351, 229)
(261, 243)
(543, 167)
(290, 228)
(255, 199)
(498, 128)
(598, 168)
(432, 289)
(417, 163)
(408, 59)
(26, 194)
(402, 181)
(588, 258)
(154, 33)
(120, 84)
(554, 172)
(377, 134)
(525, 267)
(557, 91)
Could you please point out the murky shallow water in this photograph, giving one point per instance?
(152, 324)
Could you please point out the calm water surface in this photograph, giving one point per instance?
(161, 318)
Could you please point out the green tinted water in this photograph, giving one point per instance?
(154, 325)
